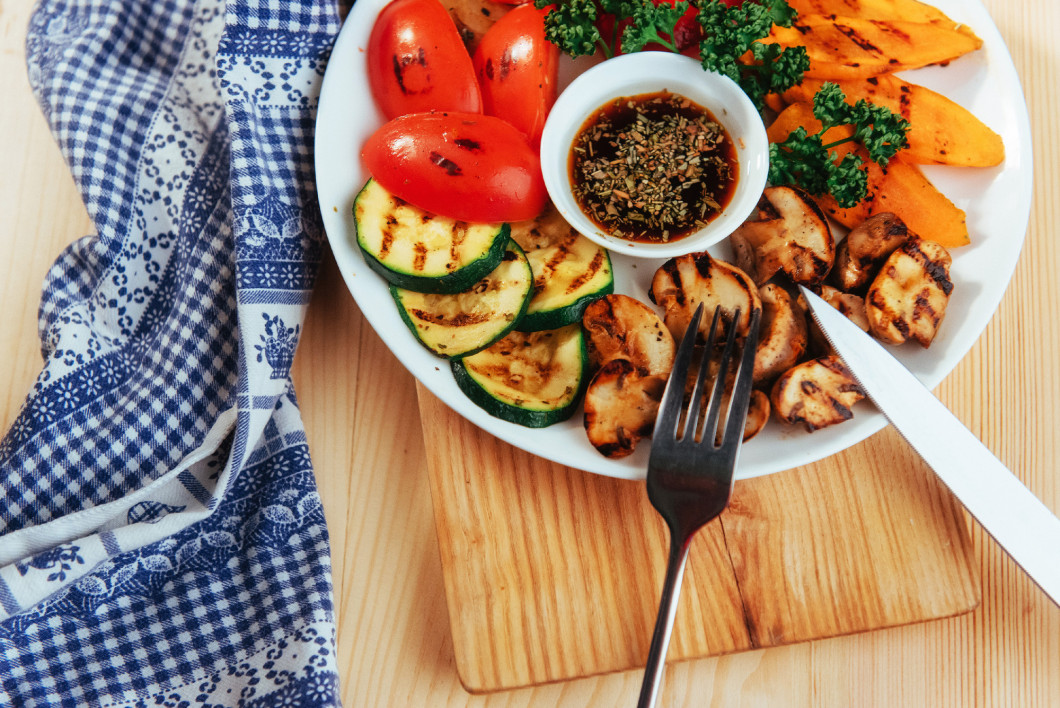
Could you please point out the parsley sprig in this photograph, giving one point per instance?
(572, 25)
(805, 159)
(730, 32)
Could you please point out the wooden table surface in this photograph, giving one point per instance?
(360, 410)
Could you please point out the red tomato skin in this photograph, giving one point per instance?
(465, 166)
(517, 70)
(417, 61)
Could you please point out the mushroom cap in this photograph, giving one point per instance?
(682, 283)
(792, 235)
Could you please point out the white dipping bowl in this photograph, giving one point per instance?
(651, 72)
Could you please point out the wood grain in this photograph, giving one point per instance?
(395, 646)
(552, 573)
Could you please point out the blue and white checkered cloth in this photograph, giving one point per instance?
(162, 542)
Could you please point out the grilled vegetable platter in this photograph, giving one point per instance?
(465, 297)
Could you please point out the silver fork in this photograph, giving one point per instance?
(690, 474)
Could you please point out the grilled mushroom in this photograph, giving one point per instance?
(816, 393)
(620, 407)
(908, 298)
(853, 306)
(619, 326)
(783, 338)
(681, 283)
(757, 415)
(791, 235)
(868, 244)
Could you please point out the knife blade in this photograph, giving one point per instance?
(1020, 523)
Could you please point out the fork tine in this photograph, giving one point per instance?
(692, 415)
(689, 482)
(717, 391)
(670, 405)
(736, 418)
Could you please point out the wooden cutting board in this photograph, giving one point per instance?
(553, 573)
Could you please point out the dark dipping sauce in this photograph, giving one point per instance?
(652, 167)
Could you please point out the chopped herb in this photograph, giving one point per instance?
(653, 167)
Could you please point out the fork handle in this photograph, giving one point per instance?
(664, 622)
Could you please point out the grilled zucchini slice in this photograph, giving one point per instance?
(570, 271)
(534, 379)
(463, 323)
(417, 250)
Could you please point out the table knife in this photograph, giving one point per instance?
(1008, 511)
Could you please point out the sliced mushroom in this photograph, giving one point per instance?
(681, 283)
(859, 255)
(757, 414)
(758, 409)
(759, 263)
(816, 393)
(851, 305)
(619, 326)
(620, 407)
(791, 235)
(908, 298)
(782, 335)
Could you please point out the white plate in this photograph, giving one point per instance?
(997, 202)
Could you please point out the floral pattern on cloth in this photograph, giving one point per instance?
(162, 542)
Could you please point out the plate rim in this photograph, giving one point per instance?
(827, 442)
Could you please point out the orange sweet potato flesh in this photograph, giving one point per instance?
(908, 10)
(854, 47)
(941, 132)
(900, 188)
(906, 192)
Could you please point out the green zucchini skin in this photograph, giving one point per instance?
(570, 271)
(562, 316)
(509, 288)
(530, 414)
(375, 210)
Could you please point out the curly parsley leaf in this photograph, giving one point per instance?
(731, 32)
(804, 159)
(571, 26)
(652, 23)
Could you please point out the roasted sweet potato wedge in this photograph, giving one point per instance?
(940, 131)
(908, 10)
(853, 47)
(900, 188)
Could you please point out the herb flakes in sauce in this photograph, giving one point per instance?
(652, 167)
